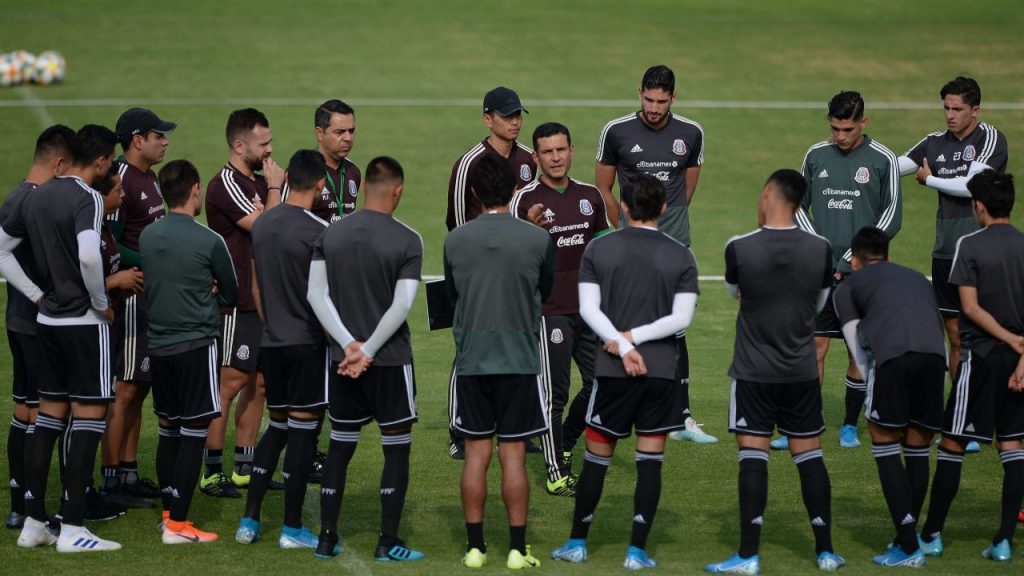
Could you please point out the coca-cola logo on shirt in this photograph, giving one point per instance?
(845, 204)
(574, 240)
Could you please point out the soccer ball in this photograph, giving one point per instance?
(10, 71)
(27, 62)
(50, 67)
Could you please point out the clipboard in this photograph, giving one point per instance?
(440, 312)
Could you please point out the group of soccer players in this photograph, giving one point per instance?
(295, 300)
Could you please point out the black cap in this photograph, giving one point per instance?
(504, 101)
(139, 121)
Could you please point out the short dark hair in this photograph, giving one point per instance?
(492, 180)
(659, 76)
(870, 243)
(322, 117)
(964, 87)
(549, 129)
(383, 169)
(305, 169)
(644, 195)
(243, 121)
(847, 105)
(994, 190)
(790, 184)
(54, 141)
(93, 141)
(177, 178)
(106, 184)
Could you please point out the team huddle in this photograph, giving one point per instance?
(293, 300)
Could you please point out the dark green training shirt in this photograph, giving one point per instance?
(182, 258)
(497, 270)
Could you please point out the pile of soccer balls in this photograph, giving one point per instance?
(22, 67)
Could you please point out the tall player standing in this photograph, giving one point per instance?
(143, 138)
(52, 157)
(944, 161)
(670, 147)
(503, 115)
(234, 200)
(573, 213)
(852, 182)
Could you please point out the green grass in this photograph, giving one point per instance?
(229, 53)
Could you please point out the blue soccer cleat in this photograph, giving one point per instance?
(297, 538)
(574, 550)
(736, 564)
(396, 553)
(933, 548)
(637, 559)
(998, 552)
(848, 437)
(780, 443)
(830, 562)
(895, 556)
(972, 447)
(248, 531)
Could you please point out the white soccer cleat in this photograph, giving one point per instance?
(79, 539)
(34, 533)
(693, 433)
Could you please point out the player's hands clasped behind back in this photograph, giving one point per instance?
(355, 362)
(130, 281)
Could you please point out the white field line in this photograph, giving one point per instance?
(33, 102)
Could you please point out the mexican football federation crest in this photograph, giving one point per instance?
(969, 153)
(862, 176)
(524, 173)
(352, 190)
(243, 352)
(678, 147)
(585, 208)
(556, 336)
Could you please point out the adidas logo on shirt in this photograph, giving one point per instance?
(823, 173)
(142, 196)
(636, 148)
(941, 158)
(817, 521)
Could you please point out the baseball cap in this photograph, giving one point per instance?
(139, 121)
(504, 101)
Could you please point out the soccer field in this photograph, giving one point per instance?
(756, 76)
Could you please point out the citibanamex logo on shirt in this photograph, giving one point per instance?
(845, 204)
(574, 240)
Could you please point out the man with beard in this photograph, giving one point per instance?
(234, 199)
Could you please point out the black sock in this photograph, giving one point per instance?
(81, 463)
(897, 492)
(263, 464)
(817, 493)
(856, 390)
(475, 537)
(214, 461)
(517, 538)
(753, 489)
(915, 460)
(588, 492)
(944, 489)
(111, 477)
(186, 469)
(332, 487)
(394, 481)
(38, 454)
(1013, 491)
(129, 471)
(683, 374)
(167, 446)
(646, 495)
(243, 459)
(301, 445)
(16, 463)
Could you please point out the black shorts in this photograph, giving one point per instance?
(240, 340)
(946, 294)
(757, 408)
(981, 403)
(76, 363)
(826, 323)
(509, 406)
(386, 394)
(27, 367)
(652, 405)
(186, 386)
(907, 390)
(296, 376)
(133, 346)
